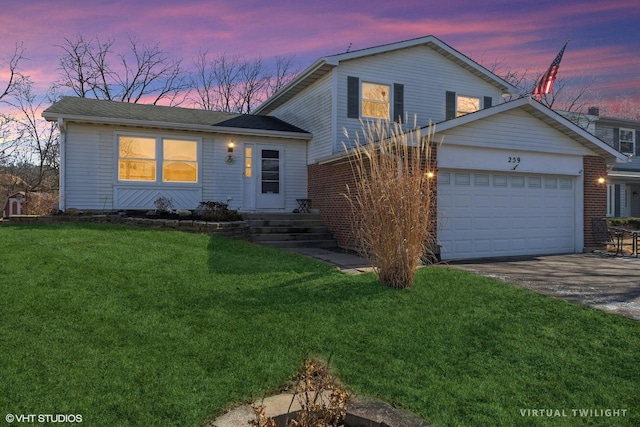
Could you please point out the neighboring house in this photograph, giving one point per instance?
(623, 186)
(124, 156)
(514, 178)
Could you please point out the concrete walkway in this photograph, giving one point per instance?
(346, 262)
(369, 410)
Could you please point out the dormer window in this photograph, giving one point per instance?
(627, 141)
(375, 100)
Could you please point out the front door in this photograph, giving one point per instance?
(264, 177)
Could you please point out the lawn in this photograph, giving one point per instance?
(140, 327)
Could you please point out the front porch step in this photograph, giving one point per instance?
(289, 230)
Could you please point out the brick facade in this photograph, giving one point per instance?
(327, 189)
(595, 195)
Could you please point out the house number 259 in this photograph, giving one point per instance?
(514, 162)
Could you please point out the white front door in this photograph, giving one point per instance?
(263, 177)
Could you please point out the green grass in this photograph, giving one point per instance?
(142, 327)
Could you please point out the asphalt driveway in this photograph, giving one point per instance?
(598, 280)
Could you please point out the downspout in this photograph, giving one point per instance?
(62, 205)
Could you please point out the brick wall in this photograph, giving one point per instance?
(595, 195)
(327, 189)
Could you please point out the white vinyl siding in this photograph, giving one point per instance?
(89, 167)
(514, 130)
(91, 170)
(311, 110)
(426, 76)
(225, 184)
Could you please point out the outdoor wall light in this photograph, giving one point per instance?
(430, 175)
(230, 147)
(601, 180)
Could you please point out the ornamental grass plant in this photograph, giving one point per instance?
(393, 199)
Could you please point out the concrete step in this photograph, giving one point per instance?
(326, 235)
(285, 223)
(289, 230)
(325, 244)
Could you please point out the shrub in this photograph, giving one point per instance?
(631, 223)
(322, 399)
(216, 212)
(393, 200)
(40, 203)
(163, 205)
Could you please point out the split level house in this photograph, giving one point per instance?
(512, 178)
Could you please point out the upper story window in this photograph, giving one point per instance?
(460, 105)
(375, 100)
(466, 105)
(627, 141)
(140, 159)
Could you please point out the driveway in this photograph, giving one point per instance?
(597, 280)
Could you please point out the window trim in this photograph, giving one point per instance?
(159, 160)
(389, 102)
(633, 141)
(458, 112)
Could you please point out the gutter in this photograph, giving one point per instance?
(178, 126)
(62, 128)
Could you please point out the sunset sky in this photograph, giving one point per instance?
(605, 36)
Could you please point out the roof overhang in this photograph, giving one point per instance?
(550, 118)
(66, 118)
(326, 64)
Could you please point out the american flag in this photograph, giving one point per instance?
(547, 79)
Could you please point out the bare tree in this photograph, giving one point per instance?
(37, 139)
(284, 73)
(518, 78)
(92, 68)
(236, 84)
(622, 108)
(7, 89)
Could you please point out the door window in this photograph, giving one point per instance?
(270, 182)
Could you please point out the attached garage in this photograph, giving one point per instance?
(496, 214)
(514, 180)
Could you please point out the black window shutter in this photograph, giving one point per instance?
(450, 107)
(638, 143)
(398, 102)
(353, 97)
(616, 138)
(488, 102)
(616, 212)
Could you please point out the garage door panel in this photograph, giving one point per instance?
(518, 214)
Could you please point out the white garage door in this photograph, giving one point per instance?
(489, 215)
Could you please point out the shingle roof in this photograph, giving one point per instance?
(88, 109)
